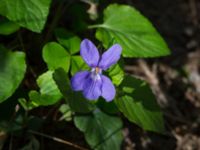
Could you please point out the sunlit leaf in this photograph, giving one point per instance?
(31, 14)
(12, 70)
(66, 112)
(49, 93)
(56, 56)
(128, 27)
(116, 73)
(69, 40)
(139, 105)
(77, 64)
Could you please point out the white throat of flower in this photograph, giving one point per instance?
(95, 73)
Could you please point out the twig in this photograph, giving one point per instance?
(150, 75)
(163, 97)
(57, 139)
(154, 82)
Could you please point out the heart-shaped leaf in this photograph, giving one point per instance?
(125, 25)
(12, 70)
(56, 56)
(139, 105)
(102, 132)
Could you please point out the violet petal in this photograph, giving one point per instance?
(108, 89)
(89, 53)
(78, 80)
(110, 57)
(92, 89)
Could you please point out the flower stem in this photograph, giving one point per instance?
(95, 26)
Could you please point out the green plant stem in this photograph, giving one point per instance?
(95, 26)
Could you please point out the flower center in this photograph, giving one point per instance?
(95, 73)
(97, 70)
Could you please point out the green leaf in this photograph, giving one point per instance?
(69, 40)
(49, 93)
(126, 26)
(8, 27)
(139, 105)
(56, 56)
(77, 64)
(47, 84)
(31, 14)
(116, 73)
(12, 70)
(109, 108)
(38, 99)
(66, 112)
(75, 100)
(102, 132)
(27, 105)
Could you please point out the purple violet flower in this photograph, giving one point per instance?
(94, 83)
